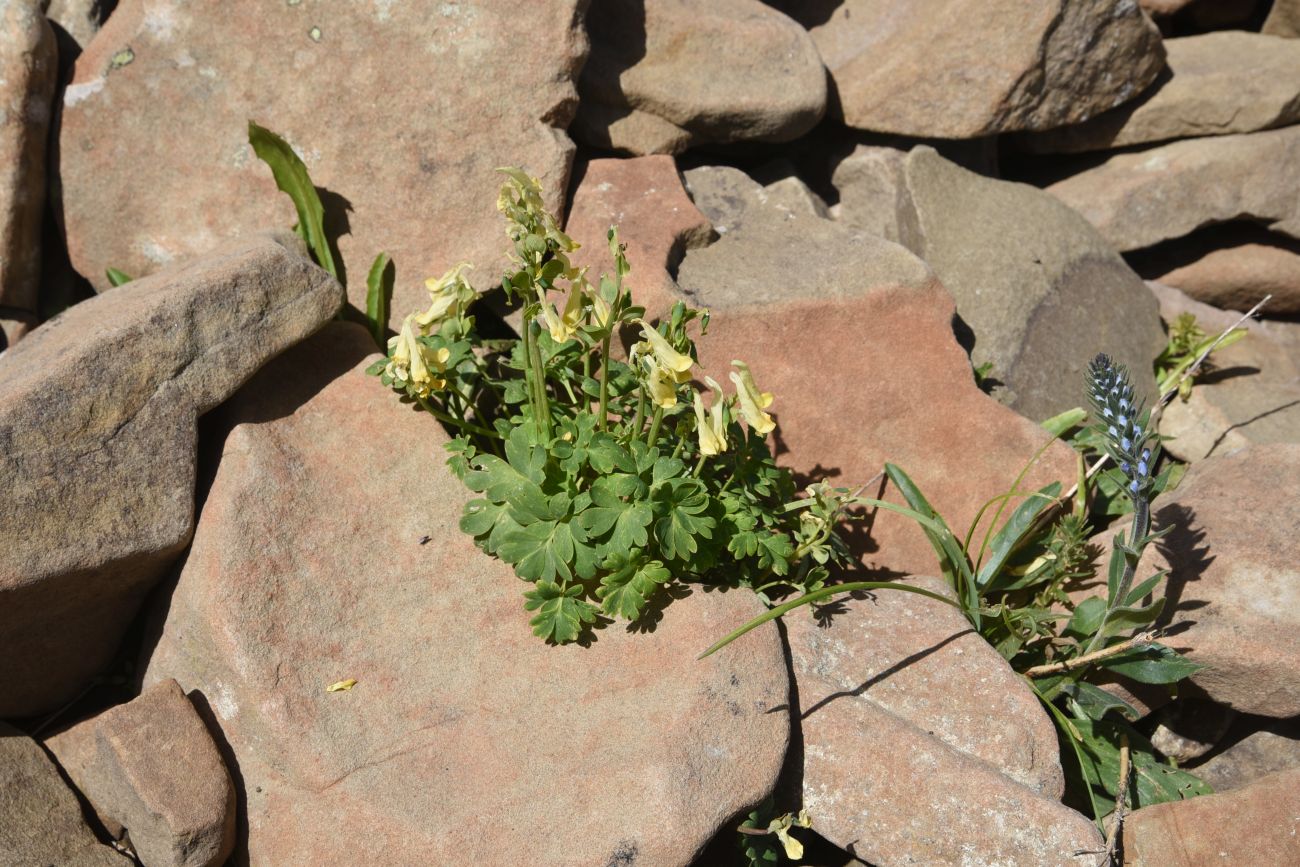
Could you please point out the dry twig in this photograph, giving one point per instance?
(1142, 638)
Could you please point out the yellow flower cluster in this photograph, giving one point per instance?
(665, 368)
(412, 365)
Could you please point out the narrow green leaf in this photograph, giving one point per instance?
(379, 291)
(1059, 424)
(291, 177)
(1010, 537)
(116, 278)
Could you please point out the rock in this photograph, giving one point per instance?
(884, 697)
(725, 195)
(908, 70)
(1258, 824)
(656, 81)
(307, 568)
(1163, 8)
(1233, 578)
(1267, 750)
(853, 335)
(28, 67)
(1231, 266)
(97, 416)
(1251, 394)
(1283, 19)
(1141, 198)
(436, 101)
(14, 326)
(1189, 728)
(40, 819)
(151, 766)
(644, 197)
(80, 18)
(872, 183)
(1217, 83)
(1038, 290)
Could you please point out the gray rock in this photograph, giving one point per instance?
(80, 18)
(1251, 394)
(1217, 83)
(28, 68)
(669, 74)
(1038, 288)
(967, 68)
(1268, 747)
(1189, 728)
(307, 569)
(872, 183)
(1283, 19)
(726, 195)
(40, 819)
(1141, 198)
(97, 446)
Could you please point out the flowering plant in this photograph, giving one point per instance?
(604, 481)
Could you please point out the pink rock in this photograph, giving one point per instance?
(669, 74)
(966, 68)
(1237, 277)
(98, 411)
(151, 766)
(14, 326)
(1233, 577)
(657, 221)
(28, 68)
(887, 687)
(1258, 824)
(853, 335)
(402, 112)
(465, 739)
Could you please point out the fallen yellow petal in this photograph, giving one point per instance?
(342, 685)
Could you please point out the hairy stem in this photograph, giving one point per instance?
(1139, 640)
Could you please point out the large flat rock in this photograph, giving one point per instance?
(402, 112)
(1143, 197)
(97, 446)
(893, 734)
(1233, 591)
(466, 739)
(966, 68)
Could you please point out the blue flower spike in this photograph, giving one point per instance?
(1126, 438)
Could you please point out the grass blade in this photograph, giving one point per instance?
(292, 178)
(379, 291)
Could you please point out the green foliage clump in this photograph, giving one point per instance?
(1187, 340)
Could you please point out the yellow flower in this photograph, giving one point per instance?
(413, 365)
(600, 309)
(752, 401)
(713, 430)
(793, 848)
(448, 294)
(673, 361)
(563, 325)
(662, 385)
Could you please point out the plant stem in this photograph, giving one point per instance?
(602, 414)
(699, 465)
(541, 405)
(1065, 665)
(654, 426)
(452, 420)
(1138, 532)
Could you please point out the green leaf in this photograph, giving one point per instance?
(546, 550)
(625, 591)
(1086, 618)
(116, 278)
(605, 455)
(1096, 702)
(626, 523)
(1126, 618)
(1059, 424)
(561, 612)
(292, 178)
(379, 290)
(1009, 538)
(1154, 663)
(952, 559)
(682, 503)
